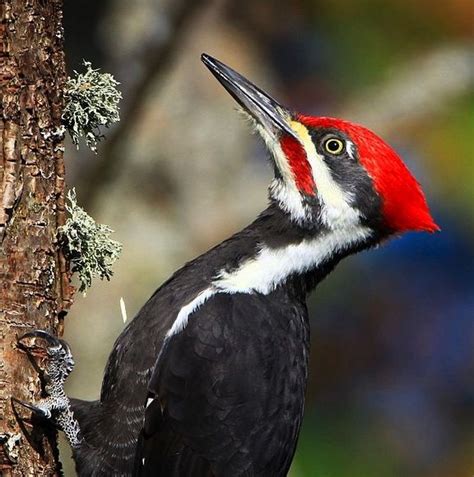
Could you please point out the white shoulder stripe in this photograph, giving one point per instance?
(182, 318)
(271, 267)
(149, 401)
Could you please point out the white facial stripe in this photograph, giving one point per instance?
(272, 267)
(350, 149)
(285, 191)
(279, 156)
(289, 200)
(336, 211)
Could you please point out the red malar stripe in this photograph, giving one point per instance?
(299, 164)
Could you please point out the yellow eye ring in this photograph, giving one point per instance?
(334, 146)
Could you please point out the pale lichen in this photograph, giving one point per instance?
(87, 244)
(91, 103)
(11, 445)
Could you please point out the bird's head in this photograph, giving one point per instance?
(329, 172)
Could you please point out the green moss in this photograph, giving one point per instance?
(91, 103)
(87, 244)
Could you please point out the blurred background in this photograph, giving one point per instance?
(391, 390)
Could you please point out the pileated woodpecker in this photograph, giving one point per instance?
(209, 378)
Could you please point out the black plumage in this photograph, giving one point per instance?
(230, 389)
(230, 386)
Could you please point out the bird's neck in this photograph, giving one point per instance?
(271, 254)
(285, 254)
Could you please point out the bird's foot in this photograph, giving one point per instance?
(52, 358)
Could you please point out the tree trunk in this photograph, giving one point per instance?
(35, 291)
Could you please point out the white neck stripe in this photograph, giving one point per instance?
(271, 267)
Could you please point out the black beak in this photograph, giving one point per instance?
(264, 109)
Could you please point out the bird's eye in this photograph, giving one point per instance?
(334, 146)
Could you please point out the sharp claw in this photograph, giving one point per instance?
(51, 340)
(44, 413)
(53, 344)
(49, 350)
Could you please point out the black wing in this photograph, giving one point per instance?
(229, 391)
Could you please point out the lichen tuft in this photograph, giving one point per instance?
(91, 103)
(87, 244)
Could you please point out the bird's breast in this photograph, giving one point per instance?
(238, 371)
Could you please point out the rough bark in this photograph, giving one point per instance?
(35, 291)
